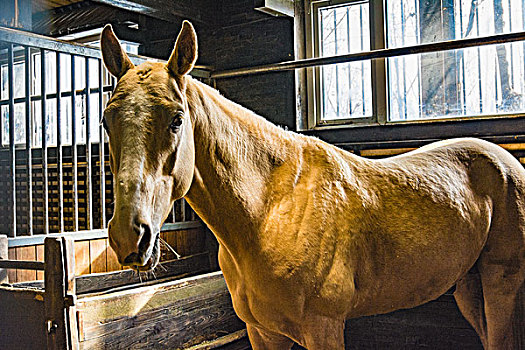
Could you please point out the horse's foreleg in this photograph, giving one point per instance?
(263, 340)
(321, 333)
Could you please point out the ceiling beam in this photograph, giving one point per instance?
(200, 11)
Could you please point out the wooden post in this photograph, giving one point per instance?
(59, 301)
(3, 256)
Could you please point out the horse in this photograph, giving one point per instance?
(309, 234)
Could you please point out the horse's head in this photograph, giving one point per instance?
(151, 144)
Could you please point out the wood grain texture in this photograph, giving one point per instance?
(12, 273)
(59, 282)
(97, 255)
(40, 257)
(4, 255)
(182, 267)
(170, 315)
(112, 263)
(22, 319)
(29, 254)
(82, 263)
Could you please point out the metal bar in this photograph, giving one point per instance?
(50, 96)
(334, 11)
(101, 143)
(42, 42)
(349, 47)
(12, 153)
(43, 81)
(88, 192)
(29, 135)
(362, 63)
(74, 145)
(23, 241)
(59, 146)
(22, 264)
(374, 54)
(479, 66)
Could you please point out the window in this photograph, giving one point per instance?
(464, 83)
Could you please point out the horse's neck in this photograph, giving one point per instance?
(236, 153)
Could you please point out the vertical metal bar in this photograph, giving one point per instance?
(29, 135)
(403, 24)
(74, 144)
(334, 11)
(419, 72)
(362, 63)
(322, 80)
(88, 191)
(43, 81)
(59, 146)
(349, 64)
(12, 151)
(101, 152)
(479, 65)
(511, 73)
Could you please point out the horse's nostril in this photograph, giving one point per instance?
(133, 258)
(145, 239)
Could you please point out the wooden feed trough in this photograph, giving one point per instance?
(185, 306)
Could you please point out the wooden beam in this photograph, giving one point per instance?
(59, 286)
(201, 11)
(190, 265)
(275, 7)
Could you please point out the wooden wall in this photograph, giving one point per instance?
(93, 256)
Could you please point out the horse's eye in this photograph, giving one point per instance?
(176, 122)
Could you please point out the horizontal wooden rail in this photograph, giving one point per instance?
(22, 264)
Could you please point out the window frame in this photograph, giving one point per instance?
(313, 74)
(378, 26)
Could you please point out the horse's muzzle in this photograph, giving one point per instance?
(145, 246)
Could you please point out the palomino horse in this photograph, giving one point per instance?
(309, 234)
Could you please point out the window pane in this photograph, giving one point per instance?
(457, 83)
(345, 89)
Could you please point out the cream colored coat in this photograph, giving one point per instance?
(309, 234)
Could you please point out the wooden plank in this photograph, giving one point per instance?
(4, 254)
(112, 260)
(385, 152)
(11, 273)
(98, 282)
(170, 237)
(60, 283)
(97, 255)
(22, 318)
(82, 258)
(221, 341)
(40, 257)
(513, 146)
(171, 315)
(29, 254)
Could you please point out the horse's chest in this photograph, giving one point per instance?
(258, 298)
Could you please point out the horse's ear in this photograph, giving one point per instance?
(115, 58)
(184, 54)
